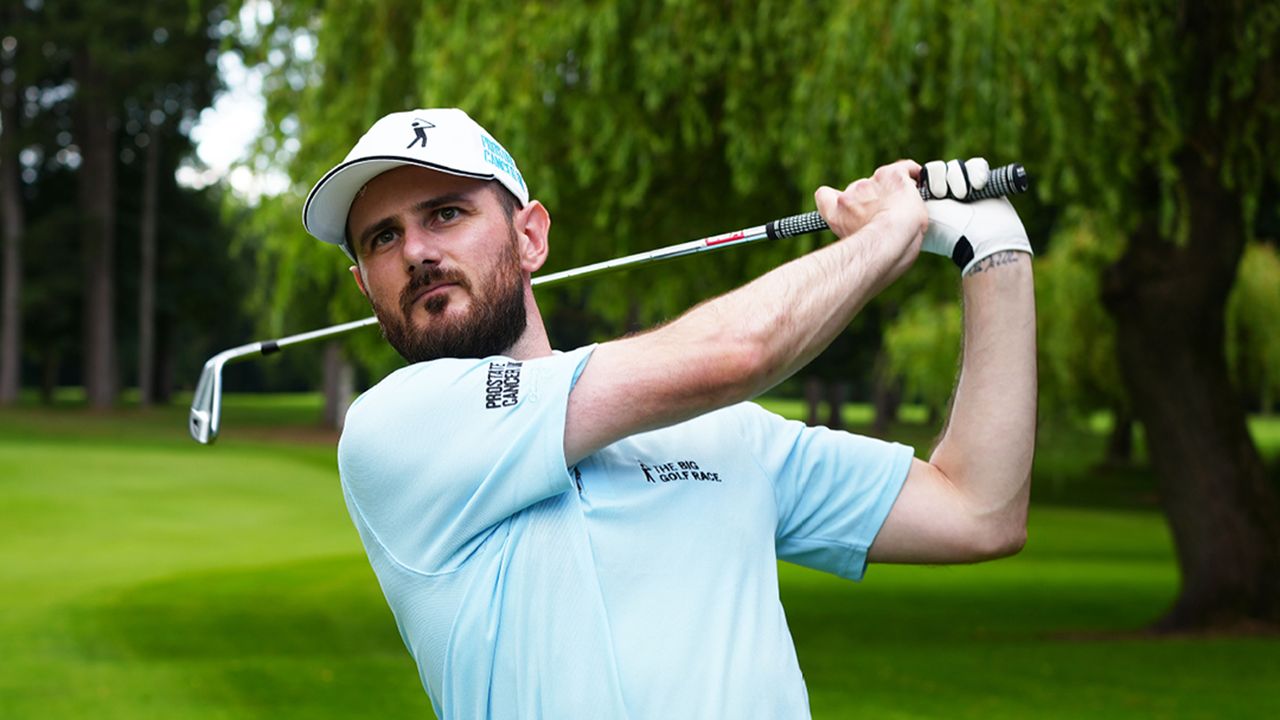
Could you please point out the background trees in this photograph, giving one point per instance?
(98, 100)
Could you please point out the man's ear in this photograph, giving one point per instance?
(355, 272)
(533, 225)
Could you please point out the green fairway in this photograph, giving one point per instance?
(144, 576)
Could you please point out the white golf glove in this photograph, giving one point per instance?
(968, 232)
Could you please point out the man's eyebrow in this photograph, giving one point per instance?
(421, 207)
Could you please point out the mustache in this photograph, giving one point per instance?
(429, 275)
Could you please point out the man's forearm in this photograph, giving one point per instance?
(987, 448)
(789, 315)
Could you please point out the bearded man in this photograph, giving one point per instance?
(594, 533)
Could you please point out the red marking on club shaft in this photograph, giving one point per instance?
(727, 237)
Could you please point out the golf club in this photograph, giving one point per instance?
(206, 403)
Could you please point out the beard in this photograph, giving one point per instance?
(496, 320)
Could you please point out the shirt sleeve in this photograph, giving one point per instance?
(833, 489)
(439, 453)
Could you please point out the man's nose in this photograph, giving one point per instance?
(420, 249)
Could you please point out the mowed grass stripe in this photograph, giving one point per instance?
(79, 518)
(161, 579)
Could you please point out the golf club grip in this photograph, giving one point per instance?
(1005, 180)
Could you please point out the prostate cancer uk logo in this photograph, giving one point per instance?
(500, 158)
(502, 386)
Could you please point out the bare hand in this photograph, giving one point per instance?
(891, 200)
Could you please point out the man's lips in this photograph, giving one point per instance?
(432, 289)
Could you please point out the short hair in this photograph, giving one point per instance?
(506, 199)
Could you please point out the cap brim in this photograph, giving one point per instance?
(325, 213)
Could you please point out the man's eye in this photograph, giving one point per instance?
(383, 238)
(448, 213)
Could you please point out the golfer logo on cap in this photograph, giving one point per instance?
(419, 133)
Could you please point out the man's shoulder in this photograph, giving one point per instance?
(404, 394)
(421, 379)
(448, 396)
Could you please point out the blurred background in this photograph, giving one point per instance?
(153, 162)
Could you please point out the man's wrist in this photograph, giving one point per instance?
(898, 226)
(997, 260)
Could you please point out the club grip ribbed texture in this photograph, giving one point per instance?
(794, 225)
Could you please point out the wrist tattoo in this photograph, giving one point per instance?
(1007, 257)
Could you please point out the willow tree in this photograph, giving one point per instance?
(1176, 108)
(640, 123)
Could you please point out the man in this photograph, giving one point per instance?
(594, 533)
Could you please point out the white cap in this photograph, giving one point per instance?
(446, 140)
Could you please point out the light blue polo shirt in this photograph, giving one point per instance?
(640, 583)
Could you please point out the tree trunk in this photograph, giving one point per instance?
(1169, 303)
(339, 386)
(1120, 441)
(836, 393)
(163, 393)
(96, 131)
(147, 272)
(812, 400)
(48, 376)
(886, 395)
(14, 222)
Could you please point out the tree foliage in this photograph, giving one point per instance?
(923, 346)
(1075, 335)
(153, 71)
(1253, 325)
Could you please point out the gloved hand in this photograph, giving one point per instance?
(968, 232)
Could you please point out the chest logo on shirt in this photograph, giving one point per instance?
(676, 471)
(502, 386)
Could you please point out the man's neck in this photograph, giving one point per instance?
(533, 342)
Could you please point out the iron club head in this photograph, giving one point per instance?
(205, 403)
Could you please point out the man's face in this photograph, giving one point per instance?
(439, 262)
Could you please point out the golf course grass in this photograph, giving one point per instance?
(144, 576)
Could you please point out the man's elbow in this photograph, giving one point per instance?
(1000, 540)
(1007, 543)
(1001, 531)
